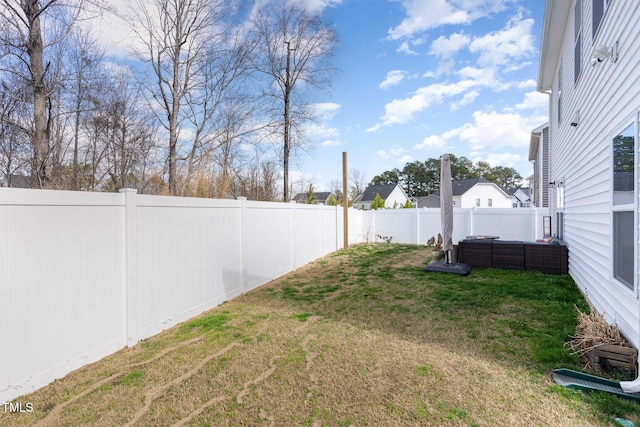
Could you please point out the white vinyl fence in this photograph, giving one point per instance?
(416, 226)
(83, 275)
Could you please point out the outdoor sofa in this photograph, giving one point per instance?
(550, 257)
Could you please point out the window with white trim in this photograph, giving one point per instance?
(623, 205)
(477, 203)
(577, 41)
(490, 202)
(560, 93)
(598, 9)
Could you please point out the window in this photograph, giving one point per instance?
(623, 200)
(477, 203)
(623, 167)
(490, 202)
(577, 41)
(559, 225)
(560, 93)
(598, 8)
(623, 247)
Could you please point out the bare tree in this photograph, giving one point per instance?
(335, 186)
(29, 27)
(358, 183)
(219, 111)
(15, 150)
(176, 35)
(296, 47)
(121, 142)
(87, 81)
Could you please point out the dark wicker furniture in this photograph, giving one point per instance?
(507, 254)
(476, 252)
(550, 258)
(547, 258)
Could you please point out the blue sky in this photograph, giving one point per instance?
(419, 78)
(423, 77)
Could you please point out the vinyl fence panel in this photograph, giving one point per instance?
(85, 274)
(60, 285)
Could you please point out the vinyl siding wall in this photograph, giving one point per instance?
(607, 97)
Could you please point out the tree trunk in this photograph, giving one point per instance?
(40, 137)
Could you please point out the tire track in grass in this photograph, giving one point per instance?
(263, 376)
(55, 412)
(199, 411)
(309, 358)
(157, 392)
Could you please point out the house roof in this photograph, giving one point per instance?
(534, 142)
(556, 14)
(320, 196)
(383, 190)
(462, 186)
(521, 193)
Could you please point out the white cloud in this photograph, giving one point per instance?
(326, 110)
(492, 130)
(401, 111)
(445, 47)
(405, 47)
(508, 46)
(534, 101)
(393, 78)
(502, 159)
(405, 159)
(317, 131)
(432, 142)
(424, 15)
(467, 99)
(315, 6)
(381, 154)
(489, 131)
(526, 84)
(398, 151)
(112, 32)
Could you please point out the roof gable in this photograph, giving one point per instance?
(383, 190)
(320, 196)
(460, 187)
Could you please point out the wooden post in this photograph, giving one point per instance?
(345, 202)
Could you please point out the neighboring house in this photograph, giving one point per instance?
(589, 67)
(320, 198)
(469, 193)
(430, 201)
(393, 195)
(520, 197)
(17, 181)
(539, 155)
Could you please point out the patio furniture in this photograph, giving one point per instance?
(508, 254)
(476, 252)
(549, 258)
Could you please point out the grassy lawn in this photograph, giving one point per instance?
(354, 339)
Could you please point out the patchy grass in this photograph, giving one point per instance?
(357, 338)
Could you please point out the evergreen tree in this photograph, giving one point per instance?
(378, 202)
